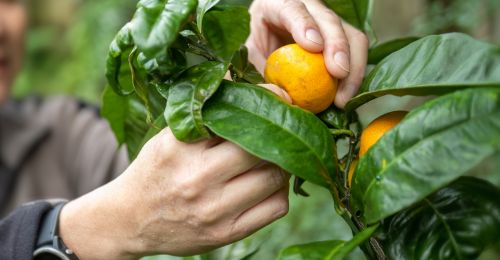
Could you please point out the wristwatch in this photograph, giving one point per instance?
(49, 244)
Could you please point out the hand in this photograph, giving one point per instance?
(177, 199)
(316, 28)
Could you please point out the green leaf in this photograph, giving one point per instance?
(457, 222)
(265, 126)
(326, 250)
(226, 28)
(117, 71)
(380, 51)
(242, 70)
(188, 95)
(203, 7)
(156, 23)
(432, 146)
(433, 65)
(127, 116)
(355, 12)
(334, 117)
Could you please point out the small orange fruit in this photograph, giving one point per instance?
(373, 132)
(354, 163)
(378, 128)
(303, 75)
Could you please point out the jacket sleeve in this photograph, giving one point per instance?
(18, 231)
(89, 152)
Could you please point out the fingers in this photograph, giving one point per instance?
(227, 160)
(278, 91)
(269, 210)
(248, 189)
(293, 16)
(336, 49)
(349, 86)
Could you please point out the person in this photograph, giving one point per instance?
(174, 198)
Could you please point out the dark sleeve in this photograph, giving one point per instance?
(18, 231)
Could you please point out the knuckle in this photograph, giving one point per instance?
(278, 178)
(294, 13)
(340, 44)
(330, 16)
(360, 37)
(282, 207)
(208, 215)
(188, 188)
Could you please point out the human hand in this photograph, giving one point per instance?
(178, 199)
(315, 28)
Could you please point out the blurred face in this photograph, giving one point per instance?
(12, 30)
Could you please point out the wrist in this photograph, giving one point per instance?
(98, 226)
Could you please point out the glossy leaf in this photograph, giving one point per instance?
(432, 146)
(128, 115)
(355, 12)
(156, 23)
(433, 65)
(380, 51)
(203, 7)
(326, 250)
(117, 71)
(264, 125)
(334, 117)
(457, 222)
(226, 28)
(242, 70)
(188, 95)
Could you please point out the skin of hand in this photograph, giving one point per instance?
(177, 199)
(12, 34)
(315, 28)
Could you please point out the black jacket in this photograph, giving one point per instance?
(18, 231)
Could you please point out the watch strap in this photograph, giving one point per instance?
(49, 242)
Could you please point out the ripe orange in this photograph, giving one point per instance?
(303, 75)
(373, 132)
(354, 163)
(378, 128)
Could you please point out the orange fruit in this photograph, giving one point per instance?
(303, 75)
(378, 128)
(354, 163)
(372, 133)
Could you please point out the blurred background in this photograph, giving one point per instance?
(67, 45)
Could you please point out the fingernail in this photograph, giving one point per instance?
(342, 61)
(314, 36)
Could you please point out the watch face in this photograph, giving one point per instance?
(49, 253)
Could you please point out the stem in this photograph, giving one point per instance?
(341, 132)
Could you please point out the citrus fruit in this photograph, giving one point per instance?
(354, 163)
(378, 128)
(303, 75)
(372, 133)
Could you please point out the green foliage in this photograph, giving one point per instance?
(378, 52)
(432, 65)
(355, 12)
(326, 250)
(65, 52)
(395, 182)
(156, 24)
(407, 163)
(225, 35)
(457, 222)
(261, 123)
(188, 95)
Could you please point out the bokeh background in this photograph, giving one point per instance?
(67, 45)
